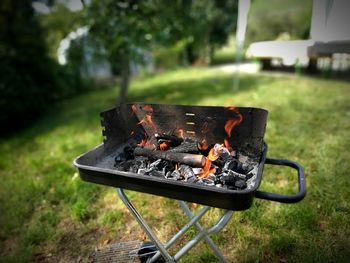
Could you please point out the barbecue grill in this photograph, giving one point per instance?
(127, 125)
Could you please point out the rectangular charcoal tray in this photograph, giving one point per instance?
(97, 165)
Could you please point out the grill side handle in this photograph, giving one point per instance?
(286, 198)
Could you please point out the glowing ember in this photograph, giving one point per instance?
(142, 143)
(207, 169)
(227, 145)
(180, 132)
(148, 108)
(164, 145)
(133, 109)
(213, 155)
(203, 145)
(231, 123)
(147, 120)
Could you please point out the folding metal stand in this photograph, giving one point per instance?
(193, 220)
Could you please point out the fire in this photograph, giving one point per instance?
(164, 145)
(207, 169)
(231, 123)
(203, 145)
(227, 145)
(142, 143)
(180, 132)
(147, 120)
(147, 108)
(213, 155)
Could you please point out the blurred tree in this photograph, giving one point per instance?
(27, 75)
(203, 25)
(123, 27)
(268, 19)
(58, 23)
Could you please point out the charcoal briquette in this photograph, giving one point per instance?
(236, 175)
(230, 165)
(192, 179)
(186, 171)
(156, 173)
(176, 175)
(240, 184)
(228, 179)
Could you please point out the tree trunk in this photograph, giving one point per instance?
(124, 84)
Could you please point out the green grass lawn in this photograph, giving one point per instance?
(48, 214)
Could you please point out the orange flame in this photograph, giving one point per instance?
(164, 145)
(147, 108)
(203, 145)
(142, 143)
(230, 124)
(213, 155)
(227, 145)
(207, 169)
(147, 120)
(179, 132)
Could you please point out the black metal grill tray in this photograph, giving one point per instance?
(97, 165)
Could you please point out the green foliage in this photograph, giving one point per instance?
(29, 81)
(111, 217)
(58, 24)
(268, 19)
(80, 210)
(122, 27)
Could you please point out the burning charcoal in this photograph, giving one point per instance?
(231, 165)
(172, 139)
(236, 175)
(142, 162)
(156, 173)
(249, 175)
(129, 152)
(197, 171)
(239, 168)
(242, 158)
(211, 177)
(120, 158)
(200, 182)
(175, 175)
(192, 179)
(240, 184)
(166, 166)
(155, 163)
(222, 151)
(195, 160)
(228, 179)
(125, 166)
(249, 168)
(141, 171)
(186, 171)
(209, 182)
(187, 146)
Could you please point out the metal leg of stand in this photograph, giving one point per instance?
(182, 231)
(145, 227)
(209, 241)
(202, 234)
(162, 249)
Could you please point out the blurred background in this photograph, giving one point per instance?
(64, 61)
